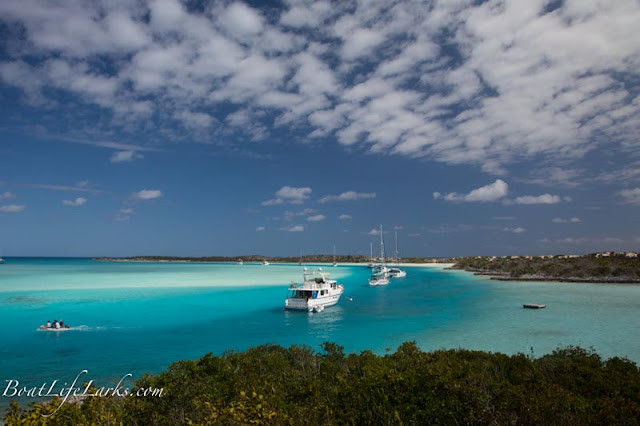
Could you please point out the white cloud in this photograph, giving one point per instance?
(504, 217)
(260, 228)
(630, 196)
(344, 217)
(374, 231)
(147, 194)
(289, 215)
(6, 195)
(74, 203)
(518, 230)
(316, 218)
(457, 82)
(488, 193)
(125, 156)
(348, 196)
(12, 208)
(124, 214)
(289, 194)
(567, 220)
(272, 202)
(79, 187)
(293, 193)
(241, 20)
(539, 199)
(296, 228)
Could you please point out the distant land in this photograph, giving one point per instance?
(603, 267)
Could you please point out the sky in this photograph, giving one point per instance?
(279, 128)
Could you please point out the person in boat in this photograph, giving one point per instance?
(61, 324)
(48, 324)
(56, 324)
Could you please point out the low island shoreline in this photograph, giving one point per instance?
(596, 268)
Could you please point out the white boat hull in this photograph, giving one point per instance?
(43, 328)
(374, 282)
(298, 304)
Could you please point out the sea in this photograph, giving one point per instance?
(131, 318)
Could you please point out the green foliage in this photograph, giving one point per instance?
(613, 268)
(273, 385)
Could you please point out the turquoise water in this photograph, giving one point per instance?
(141, 317)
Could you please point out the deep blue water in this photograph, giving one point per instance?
(141, 317)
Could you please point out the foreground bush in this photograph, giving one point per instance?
(274, 385)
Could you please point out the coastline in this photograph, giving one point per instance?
(496, 276)
(411, 264)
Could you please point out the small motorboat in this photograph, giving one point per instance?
(43, 328)
(533, 306)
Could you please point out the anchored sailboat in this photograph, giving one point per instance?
(396, 272)
(380, 273)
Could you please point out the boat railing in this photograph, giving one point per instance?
(311, 285)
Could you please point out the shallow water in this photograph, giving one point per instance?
(141, 317)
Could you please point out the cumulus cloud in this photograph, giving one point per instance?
(536, 199)
(344, 217)
(347, 196)
(6, 195)
(488, 193)
(260, 228)
(272, 202)
(125, 156)
(316, 218)
(461, 82)
(147, 194)
(289, 194)
(518, 230)
(124, 214)
(567, 220)
(630, 196)
(74, 203)
(295, 228)
(290, 215)
(12, 208)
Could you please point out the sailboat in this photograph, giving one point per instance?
(396, 272)
(334, 256)
(370, 265)
(380, 273)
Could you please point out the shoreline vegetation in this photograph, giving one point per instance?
(603, 267)
(274, 385)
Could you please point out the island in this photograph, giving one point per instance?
(602, 267)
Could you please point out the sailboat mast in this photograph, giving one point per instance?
(381, 247)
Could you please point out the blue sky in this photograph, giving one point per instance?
(275, 128)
